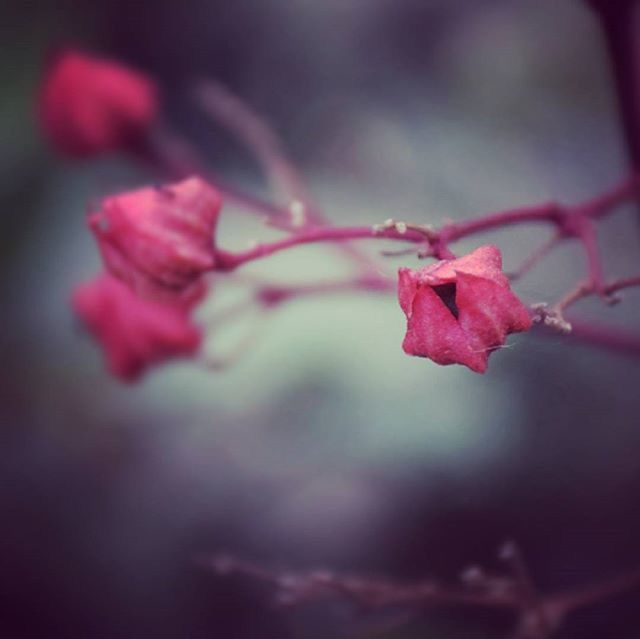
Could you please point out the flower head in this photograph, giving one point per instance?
(159, 240)
(460, 310)
(134, 333)
(89, 105)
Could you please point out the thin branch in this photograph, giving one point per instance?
(534, 621)
(612, 338)
(249, 127)
(608, 290)
(271, 295)
(595, 593)
(219, 362)
(566, 218)
(267, 297)
(536, 616)
(570, 223)
(239, 118)
(227, 261)
(173, 156)
(536, 257)
(295, 588)
(588, 239)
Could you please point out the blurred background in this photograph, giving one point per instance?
(325, 446)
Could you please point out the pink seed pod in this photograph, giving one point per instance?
(134, 333)
(88, 105)
(460, 310)
(160, 241)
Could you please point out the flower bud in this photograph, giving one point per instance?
(460, 310)
(89, 105)
(159, 240)
(134, 333)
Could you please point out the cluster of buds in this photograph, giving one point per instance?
(158, 243)
(157, 247)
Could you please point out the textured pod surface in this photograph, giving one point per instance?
(159, 240)
(458, 311)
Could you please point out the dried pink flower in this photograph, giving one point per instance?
(460, 310)
(134, 333)
(89, 105)
(160, 241)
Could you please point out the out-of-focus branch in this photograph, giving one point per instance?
(175, 157)
(585, 289)
(536, 257)
(537, 616)
(616, 339)
(236, 116)
(260, 139)
(269, 296)
(296, 588)
(595, 593)
(617, 20)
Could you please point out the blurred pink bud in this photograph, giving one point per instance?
(89, 105)
(134, 333)
(159, 241)
(458, 311)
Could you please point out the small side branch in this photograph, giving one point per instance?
(235, 115)
(607, 290)
(263, 143)
(536, 257)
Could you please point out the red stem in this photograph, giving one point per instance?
(271, 295)
(595, 593)
(227, 261)
(616, 339)
(571, 222)
(171, 155)
(549, 212)
(588, 288)
(249, 127)
(296, 588)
